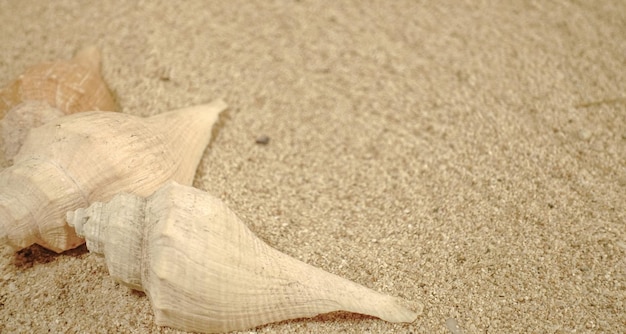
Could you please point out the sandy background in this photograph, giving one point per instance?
(466, 155)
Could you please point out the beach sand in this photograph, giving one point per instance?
(466, 156)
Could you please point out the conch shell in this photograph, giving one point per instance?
(50, 90)
(91, 156)
(205, 271)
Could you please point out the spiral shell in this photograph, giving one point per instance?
(90, 156)
(205, 271)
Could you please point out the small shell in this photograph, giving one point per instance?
(205, 271)
(69, 85)
(90, 156)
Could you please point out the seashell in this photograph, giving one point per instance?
(205, 271)
(68, 85)
(90, 156)
(50, 90)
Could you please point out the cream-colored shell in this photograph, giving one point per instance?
(91, 156)
(205, 271)
(50, 90)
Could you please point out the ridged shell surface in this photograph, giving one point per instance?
(205, 271)
(91, 156)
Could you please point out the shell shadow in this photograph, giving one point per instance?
(35, 254)
(337, 317)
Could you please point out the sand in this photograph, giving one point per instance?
(467, 156)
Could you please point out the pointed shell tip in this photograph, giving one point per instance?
(218, 104)
(400, 310)
(89, 56)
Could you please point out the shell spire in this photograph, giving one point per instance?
(89, 57)
(90, 156)
(205, 271)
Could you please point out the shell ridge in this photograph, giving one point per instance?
(65, 172)
(190, 132)
(80, 192)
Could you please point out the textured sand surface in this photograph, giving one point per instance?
(466, 155)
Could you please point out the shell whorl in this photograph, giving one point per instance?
(120, 236)
(30, 191)
(99, 154)
(205, 271)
